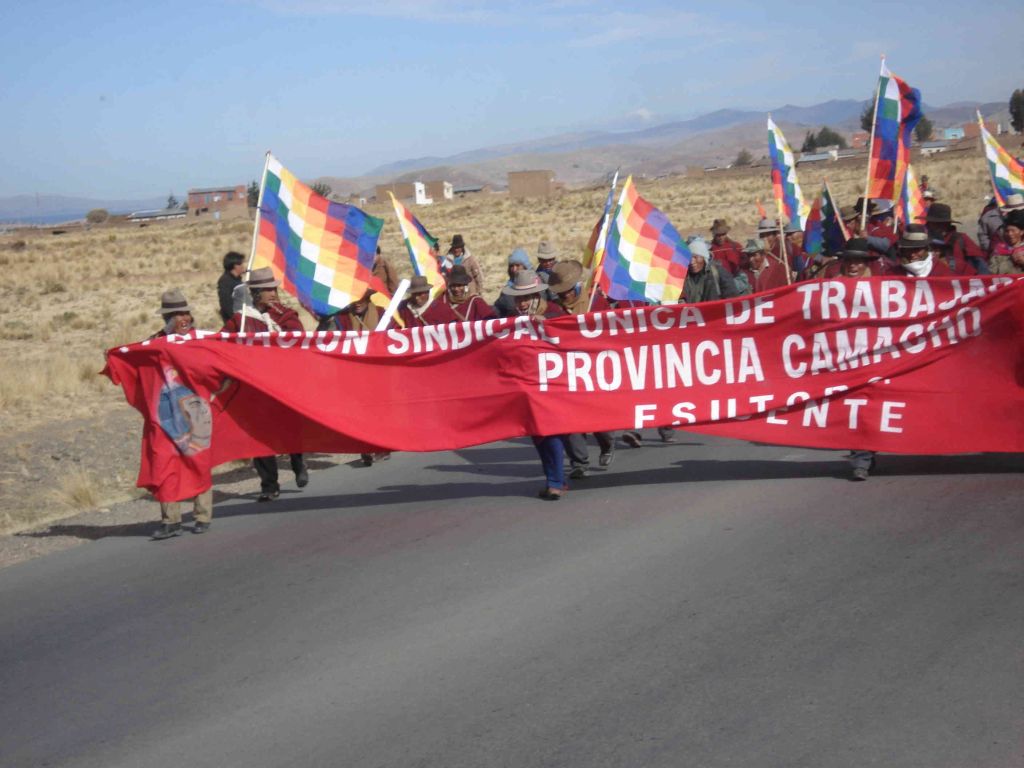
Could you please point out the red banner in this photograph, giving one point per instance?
(900, 365)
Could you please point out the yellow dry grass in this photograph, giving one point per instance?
(71, 297)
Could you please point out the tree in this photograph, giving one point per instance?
(810, 143)
(324, 190)
(252, 194)
(924, 129)
(1017, 110)
(172, 201)
(867, 115)
(827, 137)
(743, 158)
(97, 216)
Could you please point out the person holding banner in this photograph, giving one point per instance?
(526, 291)
(267, 313)
(360, 315)
(915, 260)
(518, 260)
(462, 300)
(763, 271)
(418, 310)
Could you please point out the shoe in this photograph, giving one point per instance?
(632, 439)
(367, 459)
(668, 437)
(302, 478)
(548, 495)
(606, 458)
(167, 531)
(578, 473)
(860, 473)
(200, 527)
(268, 495)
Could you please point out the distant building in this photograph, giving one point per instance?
(522, 184)
(952, 134)
(818, 157)
(157, 215)
(439, 190)
(219, 202)
(933, 147)
(859, 140)
(972, 131)
(403, 190)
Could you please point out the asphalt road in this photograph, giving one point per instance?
(710, 603)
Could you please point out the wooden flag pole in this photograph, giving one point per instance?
(782, 243)
(984, 154)
(256, 226)
(871, 151)
(603, 237)
(400, 291)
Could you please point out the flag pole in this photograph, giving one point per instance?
(984, 155)
(392, 308)
(782, 243)
(256, 226)
(603, 237)
(871, 150)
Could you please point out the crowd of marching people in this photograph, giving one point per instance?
(720, 268)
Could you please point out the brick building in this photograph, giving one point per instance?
(219, 202)
(523, 184)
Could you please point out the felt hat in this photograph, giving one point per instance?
(459, 276)
(520, 257)
(457, 242)
(1014, 202)
(419, 284)
(767, 226)
(857, 248)
(859, 205)
(526, 283)
(848, 212)
(699, 247)
(792, 228)
(719, 227)
(172, 302)
(262, 278)
(940, 213)
(754, 245)
(915, 236)
(546, 251)
(880, 208)
(565, 276)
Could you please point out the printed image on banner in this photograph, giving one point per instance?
(322, 251)
(645, 257)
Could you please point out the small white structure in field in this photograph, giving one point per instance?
(421, 194)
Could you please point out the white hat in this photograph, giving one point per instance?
(698, 247)
(1014, 202)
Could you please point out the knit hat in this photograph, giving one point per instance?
(699, 247)
(520, 257)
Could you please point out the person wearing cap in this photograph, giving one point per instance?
(705, 280)
(267, 313)
(418, 310)
(518, 261)
(231, 278)
(727, 252)
(915, 258)
(460, 298)
(763, 271)
(566, 282)
(459, 256)
(385, 272)
(526, 290)
(959, 251)
(361, 315)
(1009, 258)
(177, 317)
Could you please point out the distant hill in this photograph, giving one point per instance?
(51, 208)
(665, 147)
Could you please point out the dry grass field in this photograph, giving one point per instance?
(70, 440)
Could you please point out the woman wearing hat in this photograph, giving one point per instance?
(459, 255)
(462, 300)
(526, 291)
(176, 313)
(518, 260)
(961, 254)
(915, 258)
(1008, 258)
(418, 310)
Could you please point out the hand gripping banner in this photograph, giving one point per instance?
(902, 365)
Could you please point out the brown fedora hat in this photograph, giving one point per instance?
(940, 213)
(262, 278)
(172, 302)
(565, 275)
(419, 284)
(719, 227)
(546, 251)
(459, 276)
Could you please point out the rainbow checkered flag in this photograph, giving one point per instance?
(321, 251)
(1007, 174)
(911, 209)
(788, 196)
(645, 257)
(422, 247)
(897, 112)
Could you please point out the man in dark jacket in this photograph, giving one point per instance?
(234, 266)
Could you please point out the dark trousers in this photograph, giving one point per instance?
(266, 468)
(552, 457)
(576, 446)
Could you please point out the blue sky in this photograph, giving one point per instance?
(138, 99)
